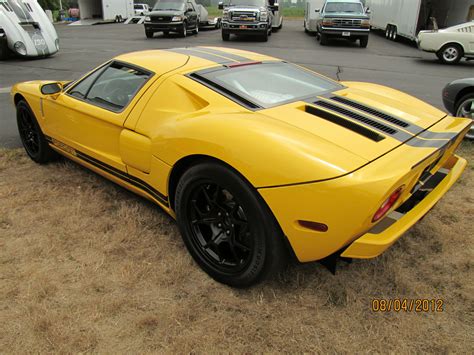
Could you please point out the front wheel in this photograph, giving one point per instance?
(184, 30)
(225, 36)
(264, 36)
(196, 30)
(364, 41)
(3, 48)
(450, 54)
(465, 108)
(323, 39)
(227, 227)
(148, 34)
(31, 136)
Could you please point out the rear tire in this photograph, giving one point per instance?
(364, 41)
(450, 53)
(225, 36)
(227, 227)
(394, 35)
(32, 137)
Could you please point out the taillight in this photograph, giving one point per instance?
(388, 204)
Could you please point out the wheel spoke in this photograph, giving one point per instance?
(196, 208)
(205, 220)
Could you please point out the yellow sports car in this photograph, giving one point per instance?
(257, 159)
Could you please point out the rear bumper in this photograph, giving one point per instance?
(168, 26)
(382, 236)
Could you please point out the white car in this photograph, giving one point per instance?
(25, 30)
(141, 9)
(450, 44)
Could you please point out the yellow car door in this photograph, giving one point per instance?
(89, 115)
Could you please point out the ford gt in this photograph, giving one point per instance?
(259, 160)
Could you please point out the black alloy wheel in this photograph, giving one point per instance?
(31, 136)
(227, 227)
(220, 227)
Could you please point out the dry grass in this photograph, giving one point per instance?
(86, 266)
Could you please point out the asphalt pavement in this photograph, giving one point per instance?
(396, 64)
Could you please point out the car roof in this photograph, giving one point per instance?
(190, 58)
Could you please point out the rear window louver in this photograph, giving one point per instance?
(370, 111)
(365, 120)
(344, 123)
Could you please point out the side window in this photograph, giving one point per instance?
(80, 90)
(116, 86)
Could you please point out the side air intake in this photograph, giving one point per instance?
(363, 119)
(370, 111)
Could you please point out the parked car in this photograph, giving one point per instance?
(276, 7)
(450, 44)
(25, 30)
(312, 11)
(255, 157)
(458, 98)
(168, 16)
(247, 17)
(141, 9)
(343, 19)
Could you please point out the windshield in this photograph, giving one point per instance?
(260, 3)
(169, 5)
(270, 84)
(344, 7)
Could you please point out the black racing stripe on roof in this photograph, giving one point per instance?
(232, 56)
(207, 56)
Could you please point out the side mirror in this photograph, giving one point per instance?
(368, 12)
(275, 7)
(51, 88)
(220, 6)
(317, 10)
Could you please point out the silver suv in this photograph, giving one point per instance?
(247, 17)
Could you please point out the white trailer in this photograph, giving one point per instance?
(25, 30)
(312, 11)
(408, 17)
(96, 11)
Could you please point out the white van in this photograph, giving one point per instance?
(26, 30)
(311, 15)
(277, 9)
